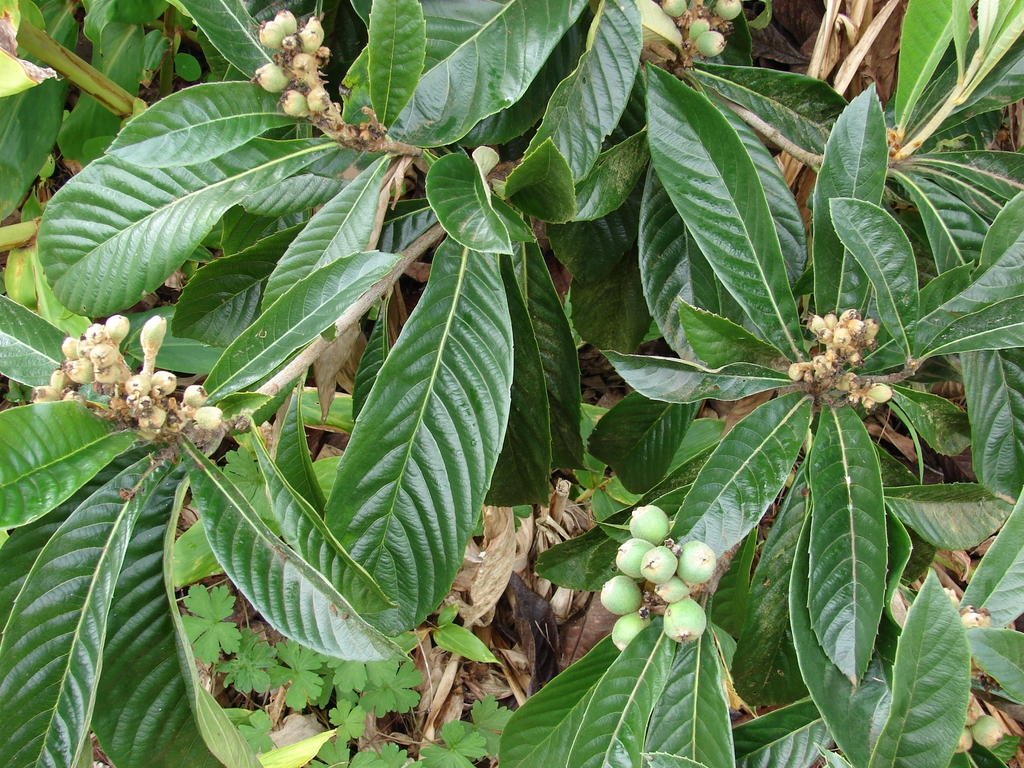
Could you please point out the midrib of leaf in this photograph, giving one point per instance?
(428, 393)
(188, 196)
(908, 182)
(101, 560)
(391, 69)
(760, 447)
(629, 701)
(850, 518)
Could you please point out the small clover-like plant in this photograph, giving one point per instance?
(207, 628)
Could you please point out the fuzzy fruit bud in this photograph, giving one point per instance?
(117, 328)
(195, 396)
(80, 371)
(620, 595)
(291, 43)
(685, 621)
(303, 65)
(711, 44)
(880, 393)
(271, 35)
(103, 355)
(988, 731)
(70, 348)
(659, 565)
(696, 562)
(729, 9)
(294, 104)
(272, 78)
(209, 417)
(796, 372)
(674, 7)
(698, 28)
(312, 35)
(154, 419)
(59, 380)
(164, 382)
(318, 100)
(630, 556)
(45, 395)
(95, 334)
(152, 336)
(286, 19)
(966, 741)
(972, 617)
(649, 523)
(626, 628)
(673, 590)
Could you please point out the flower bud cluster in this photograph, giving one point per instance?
(843, 340)
(671, 574)
(704, 30)
(295, 71)
(143, 401)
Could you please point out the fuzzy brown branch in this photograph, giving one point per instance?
(774, 136)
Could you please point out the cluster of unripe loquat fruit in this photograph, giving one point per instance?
(298, 56)
(140, 401)
(671, 573)
(703, 28)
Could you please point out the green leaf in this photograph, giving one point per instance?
(744, 474)
(542, 731)
(489, 720)
(784, 738)
(848, 541)
(308, 308)
(221, 736)
(584, 562)
(390, 687)
(942, 425)
(232, 31)
(995, 401)
(638, 438)
(715, 188)
(51, 655)
(29, 346)
(338, 230)
(421, 455)
(350, 720)
(372, 359)
(848, 709)
(339, 412)
(994, 327)
(115, 231)
(765, 670)
(558, 357)
(1006, 235)
(611, 313)
(927, 30)
(68, 445)
(1000, 652)
(257, 731)
(206, 629)
(293, 597)
(461, 198)
(305, 531)
(691, 718)
(680, 381)
(998, 584)
(522, 473)
(248, 671)
(856, 159)
(142, 715)
(586, 105)
(397, 45)
(882, 250)
(789, 223)
(931, 685)
(301, 672)
(542, 185)
(665, 760)
(719, 341)
(672, 267)
(614, 175)
(986, 179)
(950, 516)
(955, 231)
(89, 128)
(460, 640)
(42, 106)
(200, 123)
(223, 297)
(479, 59)
(801, 108)
(292, 457)
(592, 249)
